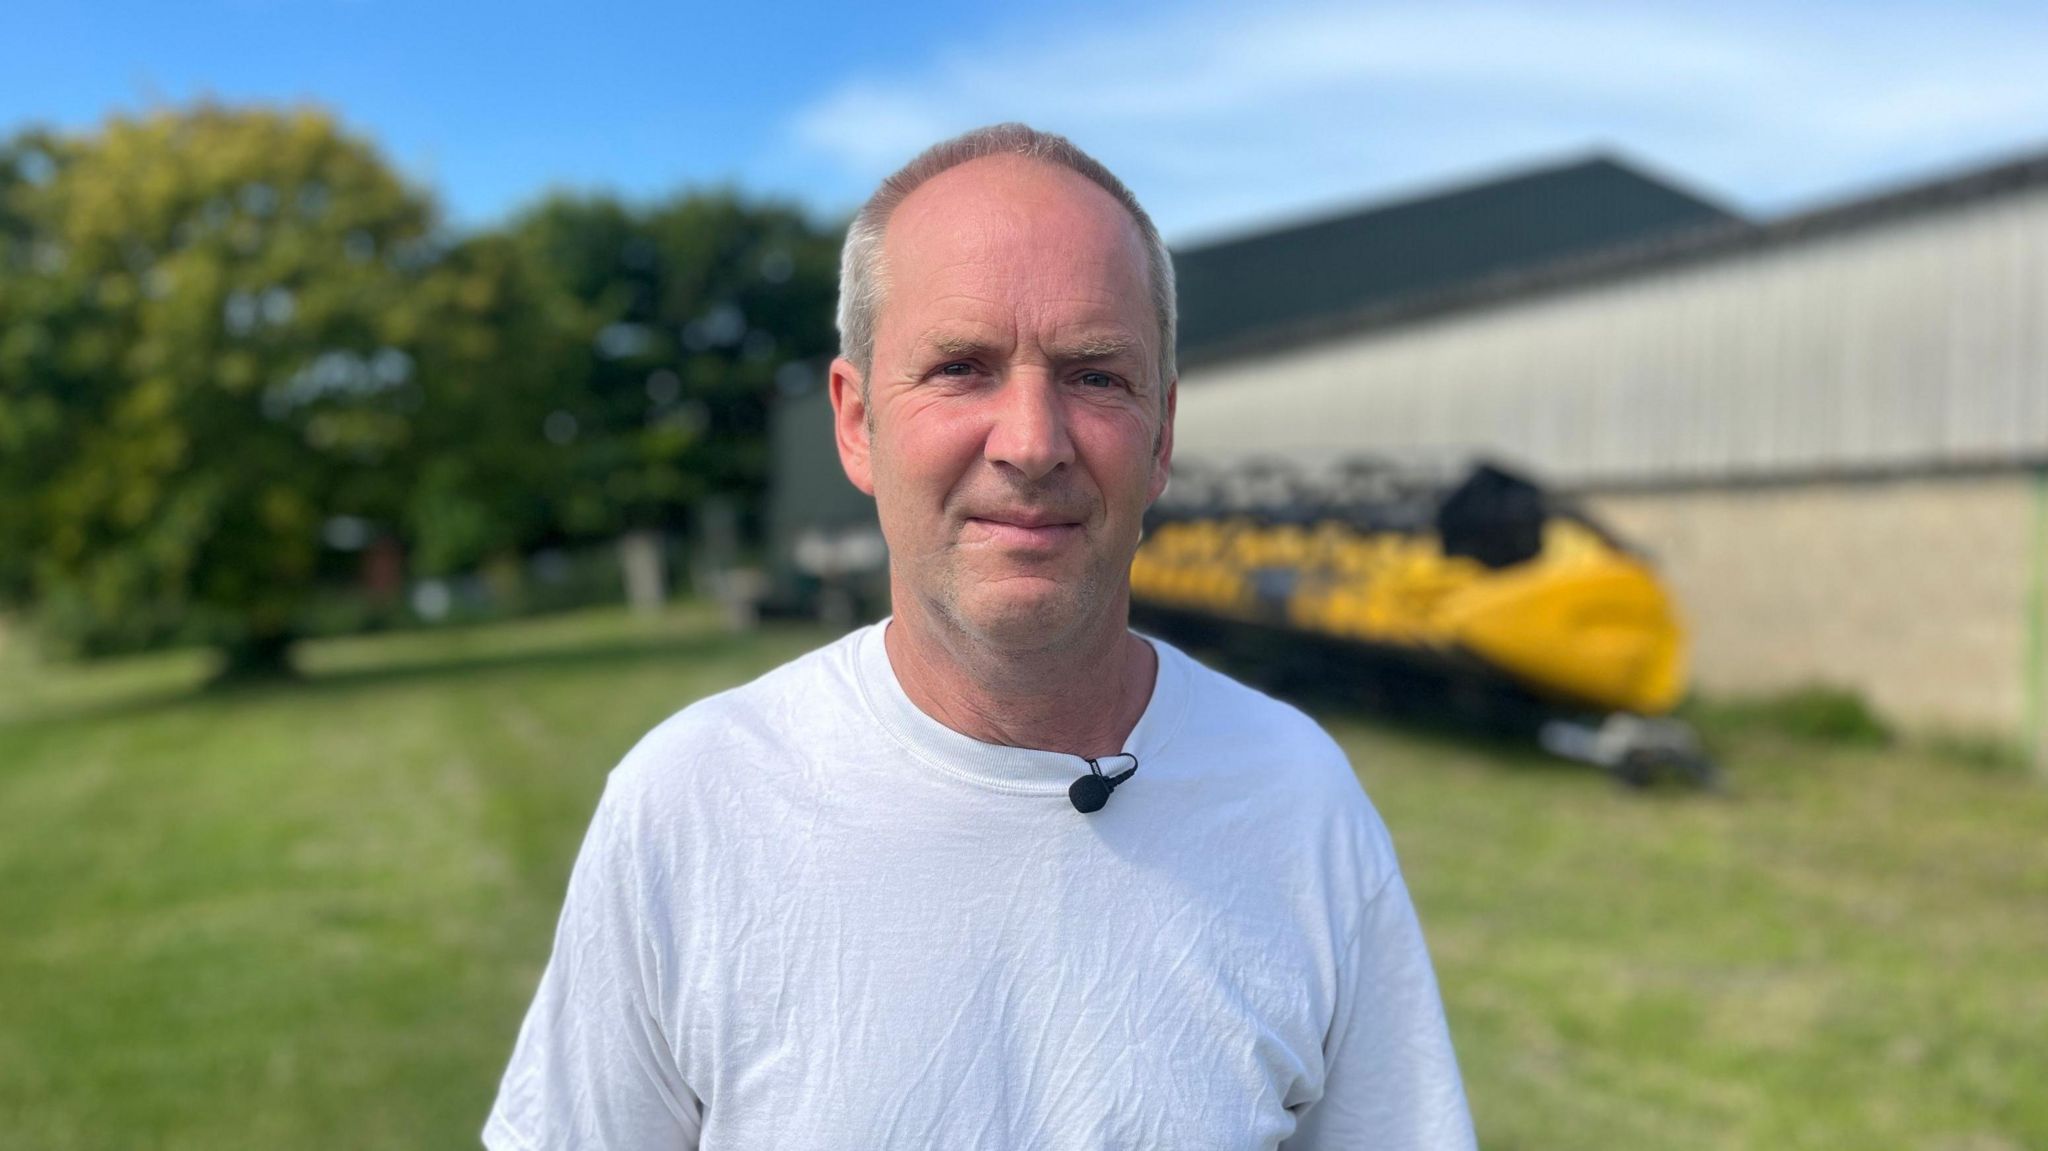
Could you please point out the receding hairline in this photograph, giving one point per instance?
(1129, 232)
(1060, 173)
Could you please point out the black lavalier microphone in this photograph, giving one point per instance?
(1091, 791)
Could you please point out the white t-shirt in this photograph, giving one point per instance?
(809, 916)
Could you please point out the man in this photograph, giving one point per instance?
(854, 903)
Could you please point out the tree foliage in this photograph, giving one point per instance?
(213, 319)
(482, 479)
(225, 331)
(685, 314)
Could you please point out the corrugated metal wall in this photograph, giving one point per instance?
(1909, 343)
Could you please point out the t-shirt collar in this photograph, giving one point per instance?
(1015, 769)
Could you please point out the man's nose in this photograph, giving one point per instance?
(1029, 431)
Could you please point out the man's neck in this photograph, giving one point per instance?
(1082, 700)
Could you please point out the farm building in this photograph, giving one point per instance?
(1830, 429)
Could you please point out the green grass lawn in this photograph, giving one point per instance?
(311, 915)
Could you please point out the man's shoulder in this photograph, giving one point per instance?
(1221, 708)
(755, 725)
(1292, 777)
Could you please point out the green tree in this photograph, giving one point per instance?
(687, 311)
(225, 332)
(501, 355)
(28, 446)
(212, 332)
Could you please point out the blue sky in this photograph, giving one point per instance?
(1222, 116)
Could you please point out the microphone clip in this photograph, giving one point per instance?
(1091, 791)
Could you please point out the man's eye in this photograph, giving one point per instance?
(957, 368)
(1098, 379)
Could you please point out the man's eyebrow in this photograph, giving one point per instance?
(953, 344)
(1094, 348)
(1087, 348)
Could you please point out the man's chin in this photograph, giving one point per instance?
(1025, 618)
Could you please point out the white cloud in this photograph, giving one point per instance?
(1228, 115)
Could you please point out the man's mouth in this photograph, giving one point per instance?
(1022, 530)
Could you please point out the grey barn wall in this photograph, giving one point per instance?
(1920, 342)
(1830, 442)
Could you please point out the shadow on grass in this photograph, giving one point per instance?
(125, 706)
(411, 666)
(1418, 707)
(1487, 723)
(622, 652)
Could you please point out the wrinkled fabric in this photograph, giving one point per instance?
(806, 915)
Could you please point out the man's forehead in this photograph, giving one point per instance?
(986, 202)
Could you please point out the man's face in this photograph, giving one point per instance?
(1012, 429)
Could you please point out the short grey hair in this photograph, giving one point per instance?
(863, 279)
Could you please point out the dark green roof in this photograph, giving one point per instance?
(1248, 290)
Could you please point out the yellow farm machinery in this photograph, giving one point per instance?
(1476, 596)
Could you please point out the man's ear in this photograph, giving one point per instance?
(850, 423)
(1162, 451)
